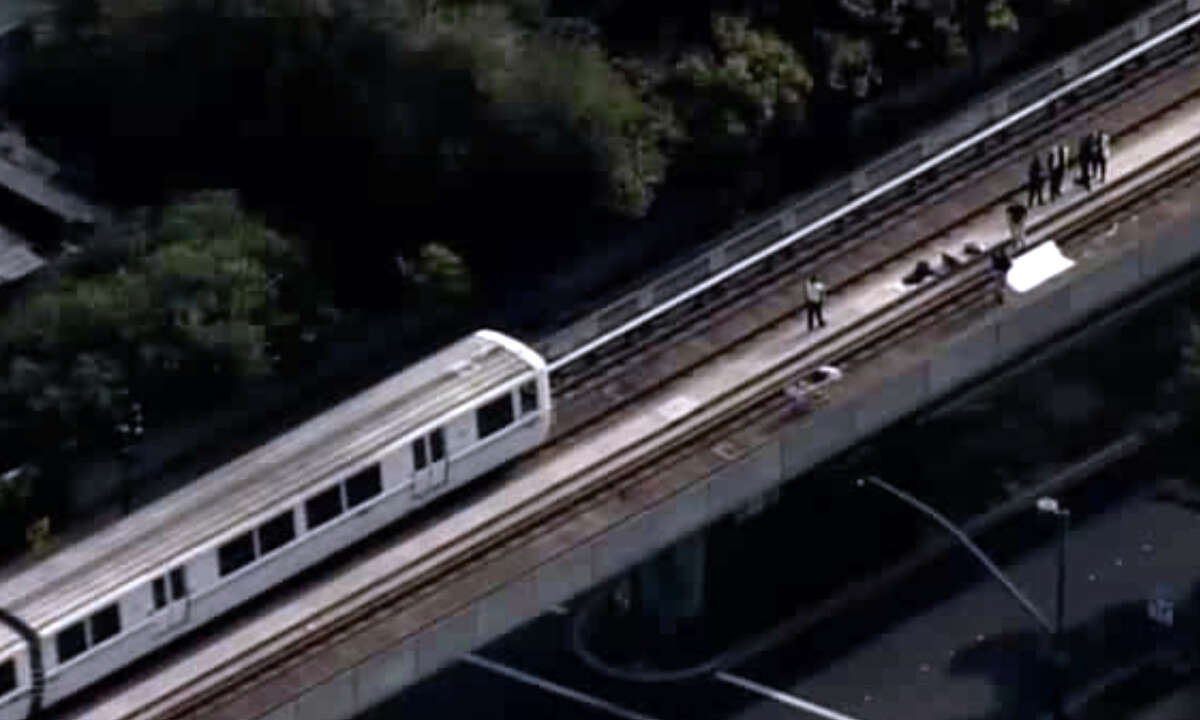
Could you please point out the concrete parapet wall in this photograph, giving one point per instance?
(1023, 324)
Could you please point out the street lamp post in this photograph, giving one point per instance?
(1050, 506)
(1055, 631)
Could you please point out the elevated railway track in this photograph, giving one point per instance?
(518, 519)
(864, 236)
(570, 479)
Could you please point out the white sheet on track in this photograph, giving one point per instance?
(1037, 266)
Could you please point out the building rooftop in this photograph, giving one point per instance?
(16, 258)
(13, 12)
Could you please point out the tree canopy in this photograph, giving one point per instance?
(160, 313)
(364, 124)
(367, 125)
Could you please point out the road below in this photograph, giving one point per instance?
(977, 655)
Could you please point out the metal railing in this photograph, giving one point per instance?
(1102, 56)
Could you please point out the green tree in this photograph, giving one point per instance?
(202, 298)
(1001, 17)
(852, 66)
(442, 271)
(560, 97)
(753, 82)
(340, 117)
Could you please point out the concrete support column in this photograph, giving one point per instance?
(671, 585)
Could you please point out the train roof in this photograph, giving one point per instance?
(226, 500)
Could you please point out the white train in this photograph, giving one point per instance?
(98, 605)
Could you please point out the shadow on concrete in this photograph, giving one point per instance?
(1117, 660)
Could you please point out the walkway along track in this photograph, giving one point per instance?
(855, 245)
(1039, 96)
(756, 400)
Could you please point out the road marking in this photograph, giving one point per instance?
(555, 688)
(782, 697)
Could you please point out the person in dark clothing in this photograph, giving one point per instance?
(1037, 182)
(1085, 161)
(1054, 162)
(1000, 266)
(1093, 161)
(1103, 151)
(1064, 154)
(814, 301)
(1016, 225)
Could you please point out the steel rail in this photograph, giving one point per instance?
(1072, 228)
(511, 534)
(744, 397)
(864, 230)
(612, 364)
(965, 284)
(883, 323)
(872, 195)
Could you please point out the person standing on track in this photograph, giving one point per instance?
(1103, 151)
(1085, 161)
(814, 301)
(1054, 162)
(1000, 265)
(1064, 160)
(1037, 181)
(1016, 225)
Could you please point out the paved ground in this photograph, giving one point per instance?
(970, 657)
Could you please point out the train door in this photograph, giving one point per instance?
(172, 595)
(437, 456)
(429, 462)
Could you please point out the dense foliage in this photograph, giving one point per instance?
(367, 125)
(158, 314)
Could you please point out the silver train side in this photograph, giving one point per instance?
(179, 563)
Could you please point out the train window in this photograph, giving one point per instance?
(71, 641)
(159, 587)
(178, 578)
(437, 445)
(494, 416)
(106, 623)
(8, 677)
(324, 506)
(276, 532)
(235, 554)
(363, 485)
(529, 399)
(419, 461)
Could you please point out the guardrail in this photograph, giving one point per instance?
(938, 149)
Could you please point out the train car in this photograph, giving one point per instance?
(15, 675)
(249, 525)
